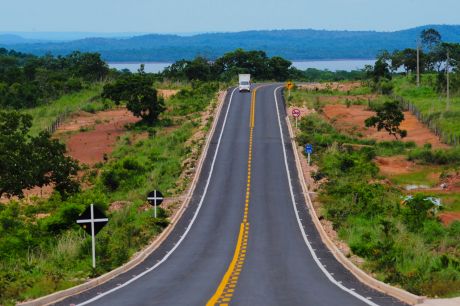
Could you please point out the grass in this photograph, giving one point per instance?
(427, 176)
(87, 99)
(431, 104)
(402, 243)
(40, 256)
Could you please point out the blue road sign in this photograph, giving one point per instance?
(308, 149)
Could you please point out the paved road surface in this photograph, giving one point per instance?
(240, 241)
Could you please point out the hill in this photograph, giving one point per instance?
(292, 44)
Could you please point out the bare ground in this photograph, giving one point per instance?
(351, 119)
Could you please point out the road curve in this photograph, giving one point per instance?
(246, 237)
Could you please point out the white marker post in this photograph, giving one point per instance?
(92, 221)
(156, 198)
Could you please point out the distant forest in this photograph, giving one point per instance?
(290, 44)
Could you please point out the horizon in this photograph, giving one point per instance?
(60, 35)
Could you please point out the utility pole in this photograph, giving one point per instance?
(448, 83)
(418, 62)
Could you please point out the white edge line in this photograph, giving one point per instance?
(188, 227)
(305, 238)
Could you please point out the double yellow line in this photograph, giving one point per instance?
(226, 288)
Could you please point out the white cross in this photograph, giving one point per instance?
(155, 199)
(92, 221)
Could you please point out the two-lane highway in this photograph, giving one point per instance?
(246, 237)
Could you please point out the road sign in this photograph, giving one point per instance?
(296, 114)
(309, 151)
(92, 220)
(289, 85)
(155, 198)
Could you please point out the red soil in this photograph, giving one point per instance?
(449, 217)
(353, 117)
(89, 147)
(395, 165)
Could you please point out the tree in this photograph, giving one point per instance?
(28, 161)
(430, 38)
(199, 69)
(141, 99)
(279, 68)
(381, 67)
(388, 117)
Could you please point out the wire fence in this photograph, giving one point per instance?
(57, 122)
(430, 121)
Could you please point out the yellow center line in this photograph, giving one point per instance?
(226, 288)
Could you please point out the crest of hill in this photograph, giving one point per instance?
(292, 44)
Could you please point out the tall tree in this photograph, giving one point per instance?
(389, 118)
(140, 97)
(430, 38)
(28, 161)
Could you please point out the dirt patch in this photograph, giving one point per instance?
(345, 86)
(395, 165)
(99, 133)
(448, 217)
(351, 119)
(167, 93)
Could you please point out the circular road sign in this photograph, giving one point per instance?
(296, 112)
(155, 198)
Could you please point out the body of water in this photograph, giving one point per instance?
(332, 65)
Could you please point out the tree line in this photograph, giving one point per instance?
(228, 66)
(29, 81)
(434, 55)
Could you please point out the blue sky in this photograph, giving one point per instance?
(189, 16)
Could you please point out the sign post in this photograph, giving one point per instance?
(309, 151)
(92, 220)
(289, 86)
(296, 114)
(155, 198)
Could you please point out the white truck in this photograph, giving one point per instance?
(244, 82)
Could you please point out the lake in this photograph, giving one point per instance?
(332, 65)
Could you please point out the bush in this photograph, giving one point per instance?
(437, 157)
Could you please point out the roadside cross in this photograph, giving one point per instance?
(92, 220)
(155, 198)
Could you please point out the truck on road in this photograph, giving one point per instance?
(244, 82)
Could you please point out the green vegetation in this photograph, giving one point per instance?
(402, 241)
(136, 90)
(28, 161)
(28, 81)
(88, 100)
(388, 117)
(227, 67)
(430, 106)
(43, 250)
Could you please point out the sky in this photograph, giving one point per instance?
(194, 16)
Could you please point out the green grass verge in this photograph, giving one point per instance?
(431, 104)
(42, 250)
(86, 99)
(402, 243)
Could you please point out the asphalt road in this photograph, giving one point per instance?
(247, 237)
